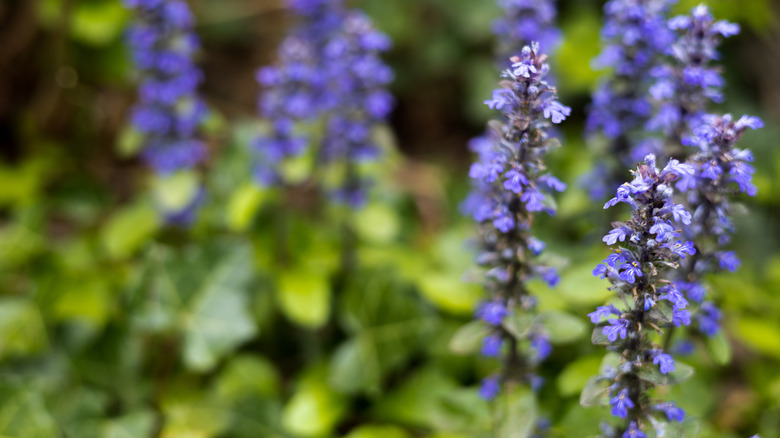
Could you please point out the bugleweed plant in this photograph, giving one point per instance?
(329, 71)
(645, 249)
(511, 185)
(169, 109)
(635, 36)
(721, 171)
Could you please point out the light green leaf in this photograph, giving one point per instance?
(247, 375)
(579, 286)
(575, 376)
(219, 319)
(98, 23)
(176, 191)
(516, 412)
(761, 334)
(22, 331)
(314, 410)
(370, 431)
(518, 324)
(719, 348)
(138, 424)
(354, 367)
(129, 229)
(595, 393)
(377, 223)
(563, 327)
(468, 339)
(243, 206)
(450, 293)
(304, 297)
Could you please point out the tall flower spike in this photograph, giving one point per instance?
(329, 70)
(635, 36)
(357, 78)
(295, 89)
(685, 86)
(720, 170)
(169, 109)
(646, 248)
(510, 185)
(524, 21)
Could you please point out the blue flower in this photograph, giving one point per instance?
(630, 271)
(617, 327)
(492, 312)
(603, 312)
(616, 234)
(673, 295)
(728, 260)
(621, 404)
(681, 249)
(709, 319)
(489, 388)
(673, 413)
(633, 431)
(524, 21)
(541, 344)
(681, 317)
(491, 345)
(663, 229)
(664, 361)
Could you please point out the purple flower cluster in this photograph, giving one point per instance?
(645, 247)
(358, 77)
(524, 21)
(511, 184)
(635, 37)
(720, 171)
(686, 85)
(329, 69)
(169, 109)
(295, 88)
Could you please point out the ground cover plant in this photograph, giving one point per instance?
(390, 219)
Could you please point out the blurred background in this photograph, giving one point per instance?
(253, 322)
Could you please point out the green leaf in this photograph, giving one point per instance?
(137, 424)
(129, 229)
(354, 367)
(314, 410)
(377, 223)
(98, 23)
(247, 375)
(598, 337)
(370, 431)
(176, 191)
(595, 393)
(651, 373)
(719, 348)
(449, 293)
(23, 412)
(243, 206)
(563, 327)
(575, 376)
(761, 334)
(22, 331)
(518, 324)
(579, 286)
(468, 339)
(304, 297)
(516, 412)
(219, 319)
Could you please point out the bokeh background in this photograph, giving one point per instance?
(264, 319)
